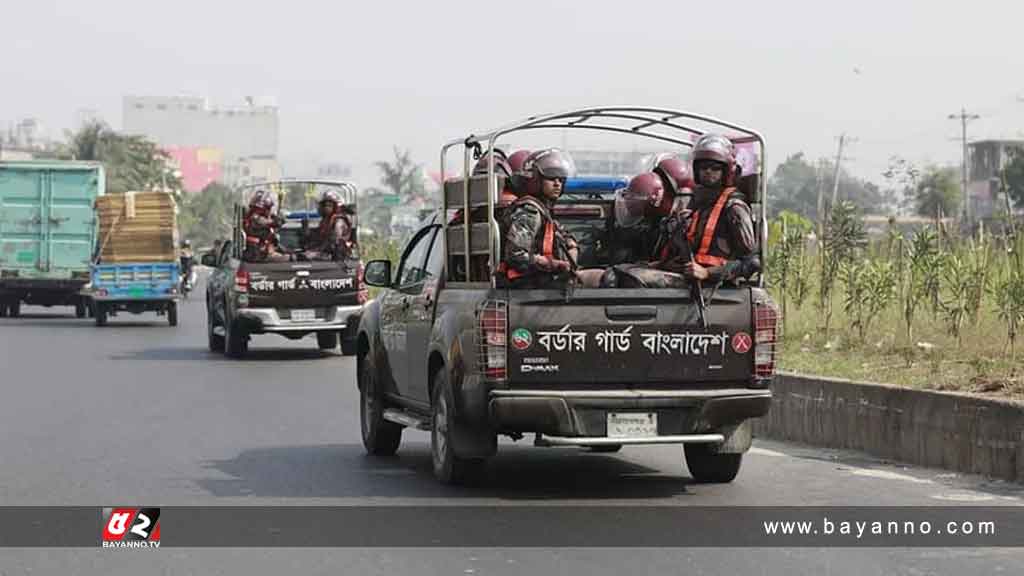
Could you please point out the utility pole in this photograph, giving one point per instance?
(964, 117)
(821, 198)
(843, 139)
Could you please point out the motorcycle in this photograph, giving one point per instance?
(188, 278)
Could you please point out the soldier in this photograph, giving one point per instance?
(717, 228)
(334, 234)
(639, 210)
(260, 225)
(537, 249)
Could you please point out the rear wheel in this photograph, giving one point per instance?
(100, 312)
(14, 308)
(236, 341)
(448, 468)
(3, 308)
(214, 341)
(709, 466)
(172, 313)
(80, 309)
(349, 347)
(380, 437)
(327, 340)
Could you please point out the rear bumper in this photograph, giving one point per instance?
(19, 285)
(581, 414)
(268, 320)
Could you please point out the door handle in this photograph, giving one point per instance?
(635, 313)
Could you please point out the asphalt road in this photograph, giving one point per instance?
(140, 413)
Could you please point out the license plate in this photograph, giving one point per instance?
(303, 315)
(632, 424)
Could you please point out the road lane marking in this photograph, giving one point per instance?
(887, 475)
(766, 452)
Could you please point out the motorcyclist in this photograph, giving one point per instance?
(717, 229)
(260, 224)
(537, 249)
(187, 260)
(334, 234)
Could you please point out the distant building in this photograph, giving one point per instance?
(234, 145)
(987, 158)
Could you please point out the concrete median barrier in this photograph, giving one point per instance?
(953, 431)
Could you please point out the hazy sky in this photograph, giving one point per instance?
(354, 78)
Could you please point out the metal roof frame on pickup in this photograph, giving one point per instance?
(672, 126)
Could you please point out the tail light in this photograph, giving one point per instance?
(493, 318)
(242, 281)
(766, 334)
(363, 293)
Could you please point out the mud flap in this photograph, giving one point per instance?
(473, 441)
(737, 438)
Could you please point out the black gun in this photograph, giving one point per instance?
(696, 290)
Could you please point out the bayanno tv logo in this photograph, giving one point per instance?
(131, 527)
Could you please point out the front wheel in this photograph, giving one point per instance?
(380, 437)
(711, 467)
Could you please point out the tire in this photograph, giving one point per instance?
(349, 347)
(448, 468)
(3, 309)
(172, 313)
(80, 309)
(100, 311)
(606, 448)
(236, 341)
(709, 467)
(380, 437)
(214, 341)
(14, 308)
(327, 340)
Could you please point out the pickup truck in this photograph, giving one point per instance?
(47, 232)
(468, 358)
(291, 299)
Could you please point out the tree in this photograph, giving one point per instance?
(132, 163)
(206, 216)
(795, 185)
(403, 176)
(938, 190)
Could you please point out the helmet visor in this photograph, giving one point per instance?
(554, 164)
(629, 210)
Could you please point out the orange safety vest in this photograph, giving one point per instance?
(547, 245)
(703, 255)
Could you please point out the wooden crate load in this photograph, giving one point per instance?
(137, 227)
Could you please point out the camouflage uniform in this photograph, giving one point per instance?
(734, 239)
(334, 239)
(524, 244)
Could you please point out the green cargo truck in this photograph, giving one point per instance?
(47, 232)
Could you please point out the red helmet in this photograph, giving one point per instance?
(547, 163)
(674, 171)
(641, 198)
(517, 159)
(715, 148)
(263, 200)
(501, 167)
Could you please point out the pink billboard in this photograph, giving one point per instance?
(199, 166)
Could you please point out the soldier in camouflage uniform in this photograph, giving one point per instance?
(713, 239)
(538, 251)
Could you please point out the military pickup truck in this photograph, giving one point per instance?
(449, 349)
(293, 299)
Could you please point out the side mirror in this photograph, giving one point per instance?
(378, 273)
(208, 259)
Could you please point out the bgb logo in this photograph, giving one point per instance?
(131, 527)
